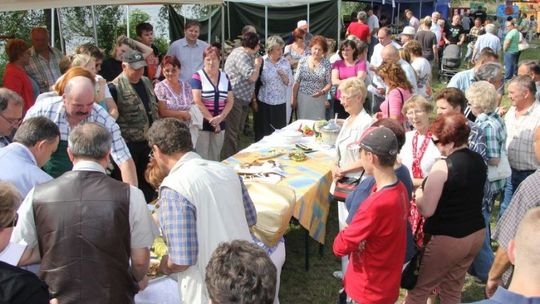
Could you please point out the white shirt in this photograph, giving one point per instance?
(436, 29)
(373, 23)
(142, 227)
(520, 137)
(430, 156)
(422, 68)
(376, 58)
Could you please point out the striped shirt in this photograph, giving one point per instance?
(44, 72)
(51, 106)
(178, 219)
(520, 139)
(214, 98)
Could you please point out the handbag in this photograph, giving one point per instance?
(522, 44)
(409, 275)
(344, 187)
(502, 170)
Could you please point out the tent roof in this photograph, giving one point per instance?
(277, 3)
(21, 5)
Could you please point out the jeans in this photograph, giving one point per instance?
(510, 65)
(512, 184)
(483, 260)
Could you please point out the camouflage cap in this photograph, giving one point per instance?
(135, 59)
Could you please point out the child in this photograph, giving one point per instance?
(375, 241)
(102, 95)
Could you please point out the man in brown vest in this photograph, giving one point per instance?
(87, 227)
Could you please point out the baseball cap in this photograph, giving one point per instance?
(301, 23)
(379, 141)
(135, 59)
(408, 30)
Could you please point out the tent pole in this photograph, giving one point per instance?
(127, 21)
(308, 9)
(53, 31)
(94, 26)
(420, 10)
(210, 26)
(265, 23)
(60, 30)
(228, 21)
(223, 26)
(338, 24)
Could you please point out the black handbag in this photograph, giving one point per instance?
(344, 187)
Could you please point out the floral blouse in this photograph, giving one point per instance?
(174, 101)
(310, 80)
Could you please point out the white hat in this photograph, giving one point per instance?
(301, 23)
(408, 30)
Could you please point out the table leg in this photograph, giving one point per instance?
(306, 249)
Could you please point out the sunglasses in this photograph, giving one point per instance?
(14, 222)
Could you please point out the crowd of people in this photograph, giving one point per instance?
(87, 142)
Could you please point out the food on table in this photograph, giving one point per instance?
(272, 153)
(157, 251)
(297, 155)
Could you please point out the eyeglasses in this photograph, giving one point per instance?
(435, 141)
(12, 121)
(13, 222)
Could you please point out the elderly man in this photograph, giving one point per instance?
(521, 121)
(189, 50)
(11, 111)
(75, 106)
(487, 40)
(304, 25)
(33, 144)
(44, 60)
(523, 251)
(531, 68)
(391, 54)
(137, 109)
(360, 29)
(92, 232)
(196, 213)
(435, 27)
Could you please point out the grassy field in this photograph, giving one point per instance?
(317, 285)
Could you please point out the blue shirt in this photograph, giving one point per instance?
(19, 167)
(503, 296)
(462, 80)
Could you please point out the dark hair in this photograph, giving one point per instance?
(143, 27)
(395, 127)
(172, 60)
(248, 28)
(451, 128)
(170, 135)
(250, 40)
(15, 48)
(351, 44)
(36, 129)
(240, 272)
(321, 41)
(212, 49)
(454, 97)
(90, 50)
(191, 23)
(298, 33)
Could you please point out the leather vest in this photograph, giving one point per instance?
(133, 119)
(83, 231)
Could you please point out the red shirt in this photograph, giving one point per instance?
(17, 80)
(375, 242)
(360, 30)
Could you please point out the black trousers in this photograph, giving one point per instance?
(268, 116)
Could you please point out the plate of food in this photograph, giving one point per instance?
(297, 155)
(272, 153)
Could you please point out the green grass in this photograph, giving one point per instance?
(318, 285)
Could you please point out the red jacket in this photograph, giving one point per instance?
(17, 80)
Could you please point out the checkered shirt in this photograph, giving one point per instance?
(520, 137)
(495, 133)
(178, 219)
(239, 67)
(51, 106)
(44, 72)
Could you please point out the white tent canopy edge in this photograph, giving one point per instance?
(23, 5)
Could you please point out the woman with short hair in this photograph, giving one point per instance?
(351, 65)
(275, 76)
(312, 82)
(451, 200)
(15, 76)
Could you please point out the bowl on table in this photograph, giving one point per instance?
(291, 136)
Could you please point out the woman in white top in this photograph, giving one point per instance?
(347, 162)
(421, 66)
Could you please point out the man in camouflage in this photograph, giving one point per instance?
(137, 107)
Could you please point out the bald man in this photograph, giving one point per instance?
(391, 54)
(524, 254)
(524, 199)
(75, 106)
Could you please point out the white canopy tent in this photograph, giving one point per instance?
(23, 5)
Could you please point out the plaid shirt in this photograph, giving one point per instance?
(495, 131)
(239, 67)
(44, 72)
(519, 142)
(178, 219)
(51, 106)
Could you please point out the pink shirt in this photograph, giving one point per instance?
(345, 71)
(394, 102)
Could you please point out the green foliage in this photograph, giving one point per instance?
(162, 43)
(3, 62)
(19, 24)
